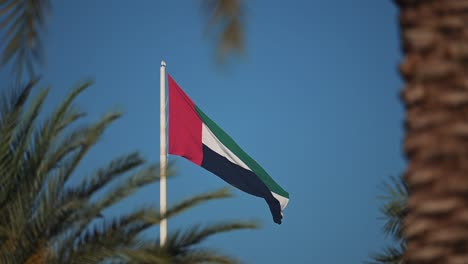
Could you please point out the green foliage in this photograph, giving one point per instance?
(22, 22)
(393, 210)
(46, 219)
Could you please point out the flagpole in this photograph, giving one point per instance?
(163, 155)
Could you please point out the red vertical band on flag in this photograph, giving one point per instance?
(185, 127)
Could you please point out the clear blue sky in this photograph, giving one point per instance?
(315, 102)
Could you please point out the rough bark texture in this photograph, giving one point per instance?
(435, 69)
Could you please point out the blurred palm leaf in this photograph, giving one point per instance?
(393, 211)
(226, 20)
(22, 23)
(45, 219)
(394, 207)
(390, 255)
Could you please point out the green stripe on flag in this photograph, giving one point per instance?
(232, 145)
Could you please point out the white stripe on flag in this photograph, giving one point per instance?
(210, 140)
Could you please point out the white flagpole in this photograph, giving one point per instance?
(163, 156)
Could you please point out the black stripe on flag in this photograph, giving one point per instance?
(240, 178)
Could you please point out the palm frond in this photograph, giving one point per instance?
(23, 23)
(130, 185)
(195, 200)
(226, 20)
(102, 177)
(143, 256)
(390, 255)
(196, 234)
(183, 246)
(394, 207)
(17, 137)
(202, 256)
(11, 109)
(393, 211)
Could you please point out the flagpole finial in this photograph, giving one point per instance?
(163, 63)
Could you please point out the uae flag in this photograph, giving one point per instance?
(194, 136)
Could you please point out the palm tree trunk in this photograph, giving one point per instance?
(435, 69)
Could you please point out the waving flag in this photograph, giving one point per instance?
(194, 136)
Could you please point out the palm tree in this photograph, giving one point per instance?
(23, 23)
(393, 211)
(45, 219)
(436, 99)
